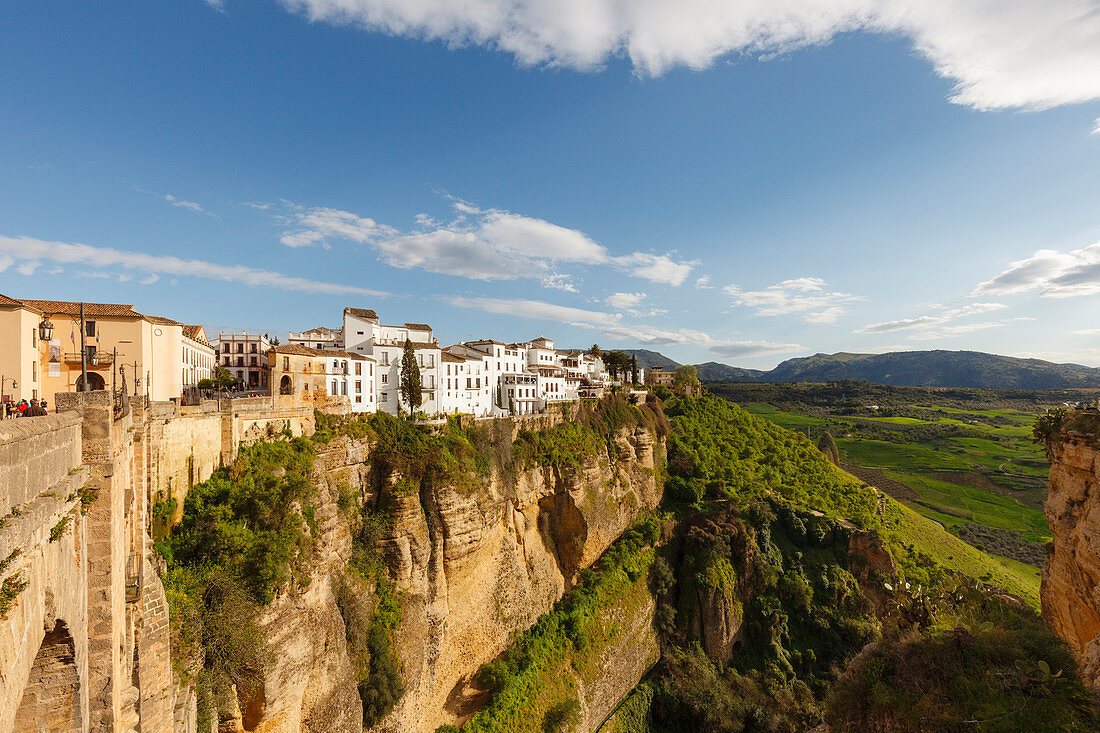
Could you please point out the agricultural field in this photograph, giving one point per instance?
(961, 458)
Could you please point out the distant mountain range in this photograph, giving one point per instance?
(972, 369)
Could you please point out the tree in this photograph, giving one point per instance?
(410, 379)
(685, 377)
(633, 369)
(595, 351)
(827, 445)
(223, 378)
(275, 341)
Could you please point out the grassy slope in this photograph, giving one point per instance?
(950, 503)
(904, 526)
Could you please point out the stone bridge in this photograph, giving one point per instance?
(84, 635)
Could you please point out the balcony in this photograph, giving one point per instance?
(95, 359)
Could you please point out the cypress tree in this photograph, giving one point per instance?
(827, 445)
(410, 379)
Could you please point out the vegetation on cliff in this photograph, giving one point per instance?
(760, 608)
(533, 687)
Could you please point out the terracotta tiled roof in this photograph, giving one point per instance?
(154, 319)
(344, 355)
(297, 349)
(366, 313)
(11, 302)
(418, 326)
(91, 310)
(191, 332)
(448, 356)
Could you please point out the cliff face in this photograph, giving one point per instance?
(472, 563)
(1070, 591)
(477, 565)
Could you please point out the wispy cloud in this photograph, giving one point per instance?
(1096, 128)
(807, 296)
(1053, 274)
(480, 244)
(180, 203)
(1029, 55)
(536, 309)
(26, 249)
(632, 304)
(703, 283)
(937, 320)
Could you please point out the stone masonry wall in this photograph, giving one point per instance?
(43, 634)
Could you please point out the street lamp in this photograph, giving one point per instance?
(45, 329)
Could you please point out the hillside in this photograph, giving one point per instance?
(647, 359)
(971, 369)
(937, 369)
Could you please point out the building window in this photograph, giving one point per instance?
(385, 379)
(34, 336)
(89, 328)
(225, 348)
(358, 386)
(34, 371)
(385, 397)
(344, 388)
(358, 368)
(385, 358)
(334, 392)
(358, 398)
(252, 350)
(286, 363)
(253, 361)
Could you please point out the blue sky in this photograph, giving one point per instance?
(712, 181)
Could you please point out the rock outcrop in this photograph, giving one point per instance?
(1070, 591)
(473, 562)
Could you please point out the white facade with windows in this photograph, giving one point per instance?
(319, 338)
(464, 386)
(245, 356)
(365, 335)
(198, 357)
(352, 376)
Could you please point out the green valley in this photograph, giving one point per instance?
(963, 458)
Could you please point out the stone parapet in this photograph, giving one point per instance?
(35, 454)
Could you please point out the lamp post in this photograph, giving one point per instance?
(45, 329)
(83, 353)
(3, 380)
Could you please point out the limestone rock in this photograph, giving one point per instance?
(1070, 591)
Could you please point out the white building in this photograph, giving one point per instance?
(245, 356)
(464, 386)
(365, 335)
(352, 376)
(319, 338)
(198, 359)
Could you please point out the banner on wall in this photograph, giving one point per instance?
(55, 358)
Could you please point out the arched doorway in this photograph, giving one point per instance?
(286, 386)
(51, 699)
(94, 381)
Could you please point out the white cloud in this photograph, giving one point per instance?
(183, 203)
(5, 262)
(804, 295)
(27, 268)
(703, 283)
(26, 248)
(631, 304)
(943, 316)
(1096, 129)
(1008, 54)
(480, 244)
(956, 330)
(655, 268)
(622, 301)
(1054, 274)
(317, 224)
(651, 336)
(536, 309)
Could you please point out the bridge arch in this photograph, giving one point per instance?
(51, 697)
